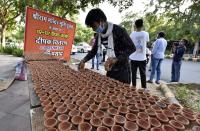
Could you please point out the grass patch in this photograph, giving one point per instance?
(188, 95)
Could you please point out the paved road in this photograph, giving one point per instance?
(190, 71)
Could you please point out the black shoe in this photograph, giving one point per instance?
(92, 68)
(97, 69)
(149, 70)
(157, 82)
(149, 81)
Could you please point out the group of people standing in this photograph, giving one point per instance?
(125, 54)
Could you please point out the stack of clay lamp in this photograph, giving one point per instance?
(87, 101)
(38, 57)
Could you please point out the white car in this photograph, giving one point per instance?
(83, 47)
(74, 50)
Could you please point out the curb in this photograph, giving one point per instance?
(168, 94)
(184, 58)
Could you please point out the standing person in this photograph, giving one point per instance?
(92, 42)
(138, 58)
(178, 51)
(117, 43)
(158, 53)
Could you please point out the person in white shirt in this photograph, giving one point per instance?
(138, 58)
(158, 53)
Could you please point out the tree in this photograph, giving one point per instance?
(9, 11)
(183, 15)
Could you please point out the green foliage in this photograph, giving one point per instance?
(9, 49)
(12, 50)
(18, 52)
(188, 97)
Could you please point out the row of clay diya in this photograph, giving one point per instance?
(175, 108)
(38, 57)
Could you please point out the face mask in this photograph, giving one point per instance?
(100, 29)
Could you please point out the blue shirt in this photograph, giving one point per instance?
(178, 53)
(159, 48)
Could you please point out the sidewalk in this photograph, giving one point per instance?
(14, 102)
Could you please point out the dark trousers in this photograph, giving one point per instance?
(122, 75)
(176, 67)
(142, 68)
(104, 56)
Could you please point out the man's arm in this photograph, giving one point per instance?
(127, 44)
(155, 47)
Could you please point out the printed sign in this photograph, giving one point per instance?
(49, 34)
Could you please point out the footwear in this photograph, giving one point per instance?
(149, 81)
(97, 69)
(157, 82)
(92, 68)
(149, 70)
(146, 90)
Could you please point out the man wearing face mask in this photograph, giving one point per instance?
(117, 43)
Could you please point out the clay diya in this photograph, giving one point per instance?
(103, 106)
(168, 128)
(87, 115)
(83, 108)
(131, 117)
(168, 113)
(116, 104)
(84, 127)
(77, 120)
(99, 114)
(162, 117)
(156, 129)
(143, 123)
(122, 110)
(61, 110)
(49, 114)
(112, 111)
(96, 122)
(108, 121)
(64, 126)
(154, 122)
(74, 113)
(63, 118)
(103, 128)
(71, 107)
(177, 125)
(181, 120)
(51, 129)
(50, 123)
(117, 128)
(119, 119)
(94, 107)
(188, 116)
(150, 112)
(133, 109)
(143, 115)
(131, 126)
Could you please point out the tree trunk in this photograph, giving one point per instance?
(3, 32)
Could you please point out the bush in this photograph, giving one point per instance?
(12, 50)
(9, 49)
(18, 52)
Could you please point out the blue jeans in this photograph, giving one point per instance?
(176, 67)
(156, 64)
(97, 58)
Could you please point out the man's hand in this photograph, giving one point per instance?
(81, 65)
(109, 63)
